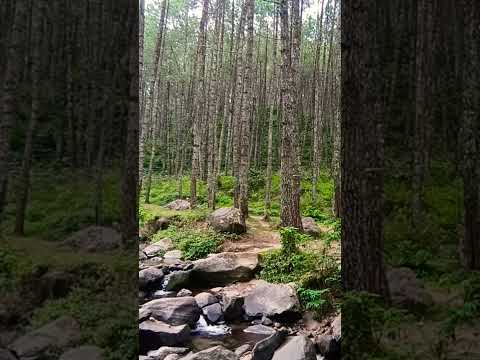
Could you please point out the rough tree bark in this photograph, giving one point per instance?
(199, 102)
(274, 81)
(11, 93)
(290, 172)
(38, 9)
(362, 152)
(247, 107)
(470, 140)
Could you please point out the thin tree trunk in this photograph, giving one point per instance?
(247, 107)
(470, 134)
(10, 93)
(199, 102)
(273, 102)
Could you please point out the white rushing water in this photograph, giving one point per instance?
(203, 328)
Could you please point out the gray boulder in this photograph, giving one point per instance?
(154, 334)
(178, 280)
(149, 278)
(296, 348)
(178, 205)
(310, 227)
(264, 349)
(232, 307)
(214, 353)
(58, 334)
(225, 268)
(213, 312)
(83, 352)
(204, 299)
(95, 238)
(272, 300)
(407, 290)
(174, 311)
(153, 226)
(153, 250)
(228, 220)
(173, 257)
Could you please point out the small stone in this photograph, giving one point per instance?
(266, 321)
(184, 292)
(259, 329)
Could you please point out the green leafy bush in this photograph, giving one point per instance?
(194, 243)
(144, 216)
(290, 238)
(470, 311)
(319, 301)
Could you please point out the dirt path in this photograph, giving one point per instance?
(260, 236)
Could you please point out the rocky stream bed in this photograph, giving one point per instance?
(215, 309)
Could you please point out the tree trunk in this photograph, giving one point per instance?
(290, 172)
(10, 93)
(141, 91)
(273, 102)
(470, 135)
(362, 152)
(247, 107)
(38, 9)
(199, 102)
(129, 205)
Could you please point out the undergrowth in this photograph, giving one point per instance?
(194, 243)
(316, 276)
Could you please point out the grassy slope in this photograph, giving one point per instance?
(104, 283)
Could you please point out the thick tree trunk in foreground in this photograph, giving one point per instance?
(290, 172)
(470, 140)
(362, 152)
(129, 205)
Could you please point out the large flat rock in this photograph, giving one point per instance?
(272, 300)
(225, 268)
(174, 311)
(154, 334)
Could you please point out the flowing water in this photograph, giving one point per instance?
(230, 336)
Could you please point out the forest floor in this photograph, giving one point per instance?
(260, 236)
